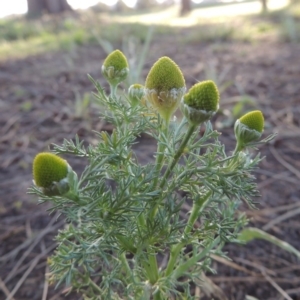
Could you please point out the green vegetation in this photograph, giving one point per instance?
(20, 37)
(123, 216)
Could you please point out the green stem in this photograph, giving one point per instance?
(175, 160)
(239, 147)
(197, 209)
(113, 90)
(160, 155)
(146, 294)
(95, 286)
(180, 270)
(141, 221)
(177, 155)
(157, 296)
(125, 264)
(153, 267)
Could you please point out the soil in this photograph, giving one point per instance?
(37, 108)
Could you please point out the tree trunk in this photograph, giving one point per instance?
(264, 5)
(38, 7)
(35, 8)
(145, 4)
(185, 7)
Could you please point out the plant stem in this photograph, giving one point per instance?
(95, 286)
(239, 147)
(159, 160)
(125, 264)
(197, 209)
(141, 221)
(153, 267)
(177, 155)
(175, 160)
(181, 269)
(146, 294)
(113, 90)
(160, 155)
(157, 296)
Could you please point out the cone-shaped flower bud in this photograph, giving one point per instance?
(253, 120)
(135, 93)
(115, 67)
(248, 128)
(50, 173)
(201, 102)
(164, 87)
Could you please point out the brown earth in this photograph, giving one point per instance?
(37, 108)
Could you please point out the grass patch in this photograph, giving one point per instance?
(42, 43)
(20, 37)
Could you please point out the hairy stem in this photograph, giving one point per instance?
(95, 286)
(175, 160)
(154, 267)
(125, 264)
(197, 209)
(160, 155)
(177, 155)
(113, 90)
(239, 147)
(157, 296)
(181, 269)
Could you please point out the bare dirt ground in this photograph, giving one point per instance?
(37, 108)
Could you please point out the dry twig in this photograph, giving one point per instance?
(281, 218)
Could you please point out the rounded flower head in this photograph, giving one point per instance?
(135, 93)
(165, 86)
(115, 67)
(253, 120)
(48, 170)
(248, 128)
(201, 102)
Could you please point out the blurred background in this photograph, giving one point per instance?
(22, 6)
(251, 49)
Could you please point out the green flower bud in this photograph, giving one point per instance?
(248, 128)
(253, 120)
(115, 67)
(135, 93)
(50, 173)
(201, 102)
(164, 87)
